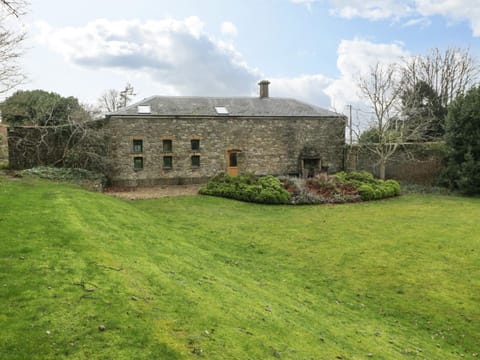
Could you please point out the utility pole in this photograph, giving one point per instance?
(350, 131)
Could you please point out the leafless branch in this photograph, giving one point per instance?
(10, 45)
(449, 73)
(15, 7)
(381, 89)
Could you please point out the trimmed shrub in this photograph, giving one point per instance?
(394, 186)
(368, 187)
(356, 178)
(323, 189)
(264, 190)
(366, 192)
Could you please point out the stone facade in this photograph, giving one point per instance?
(278, 145)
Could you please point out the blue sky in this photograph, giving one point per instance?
(312, 50)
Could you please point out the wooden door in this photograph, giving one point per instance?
(232, 163)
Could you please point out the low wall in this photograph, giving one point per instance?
(412, 163)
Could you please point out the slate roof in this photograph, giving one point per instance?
(236, 106)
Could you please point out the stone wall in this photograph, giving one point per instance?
(412, 163)
(265, 146)
(3, 143)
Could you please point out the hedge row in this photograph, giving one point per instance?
(265, 190)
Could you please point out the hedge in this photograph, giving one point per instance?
(264, 190)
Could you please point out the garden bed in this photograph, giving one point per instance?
(322, 189)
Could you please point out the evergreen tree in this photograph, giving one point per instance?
(42, 108)
(463, 141)
(423, 113)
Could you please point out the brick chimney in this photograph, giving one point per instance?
(263, 88)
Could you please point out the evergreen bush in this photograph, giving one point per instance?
(463, 143)
(368, 187)
(265, 190)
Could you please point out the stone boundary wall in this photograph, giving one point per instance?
(3, 143)
(412, 163)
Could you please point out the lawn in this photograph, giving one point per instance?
(193, 277)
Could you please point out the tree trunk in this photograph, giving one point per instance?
(381, 169)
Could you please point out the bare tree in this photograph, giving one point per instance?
(10, 45)
(76, 144)
(113, 100)
(381, 89)
(126, 94)
(430, 83)
(449, 73)
(109, 101)
(15, 7)
(409, 100)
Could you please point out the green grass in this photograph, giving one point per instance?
(193, 277)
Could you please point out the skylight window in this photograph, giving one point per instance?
(221, 110)
(144, 109)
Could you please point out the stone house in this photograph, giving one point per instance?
(183, 140)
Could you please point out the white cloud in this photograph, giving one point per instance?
(229, 29)
(415, 11)
(307, 3)
(370, 9)
(177, 57)
(177, 54)
(420, 21)
(456, 10)
(308, 88)
(355, 57)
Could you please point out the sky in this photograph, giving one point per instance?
(311, 50)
